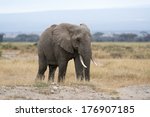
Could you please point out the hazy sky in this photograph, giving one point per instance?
(19, 6)
(109, 15)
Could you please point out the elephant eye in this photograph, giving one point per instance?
(78, 39)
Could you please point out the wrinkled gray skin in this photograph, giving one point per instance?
(60, 43)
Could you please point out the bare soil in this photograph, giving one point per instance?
(61, 92)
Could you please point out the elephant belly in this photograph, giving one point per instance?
(51, 62)
(50, 57)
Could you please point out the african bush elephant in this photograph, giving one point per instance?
(60, 43)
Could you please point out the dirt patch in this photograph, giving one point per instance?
(60, 92)
(141, 92)
(53, 92)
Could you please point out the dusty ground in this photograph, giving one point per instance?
(60, 92)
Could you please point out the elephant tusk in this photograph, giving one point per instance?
(94, 62)
(81, 59)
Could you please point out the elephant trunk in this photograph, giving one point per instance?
(81, 60)
(87, 70)
(86, 65)
(85, 59)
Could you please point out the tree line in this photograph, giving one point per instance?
(21, 38)
(123, 37)
(97, 37)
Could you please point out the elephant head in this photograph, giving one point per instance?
(75, 40)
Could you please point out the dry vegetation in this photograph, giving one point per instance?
(119, 65)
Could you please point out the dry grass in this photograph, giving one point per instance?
(110, 74)
(121, 50)
(17, 72)
(114, 73)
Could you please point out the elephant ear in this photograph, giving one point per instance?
(62, 38)
(84, 26)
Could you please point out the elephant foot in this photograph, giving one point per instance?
(87, 79)
(51, 79)
(61, 79)
(80, 78)
(39, 77)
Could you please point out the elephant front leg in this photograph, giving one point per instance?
(87, 75)
(52, 69)
(62, 71)
(79, 69)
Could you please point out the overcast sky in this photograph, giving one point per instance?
(19, 6)
(109, 15)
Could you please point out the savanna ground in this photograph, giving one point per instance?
(123, 72)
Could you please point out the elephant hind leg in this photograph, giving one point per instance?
(42, 68)
(52, 69)
(41, 72)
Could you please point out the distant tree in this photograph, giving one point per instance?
(97, 36)
(144, 33)
(27, 37)
(1, 37)
(127, 36)
(147, 37)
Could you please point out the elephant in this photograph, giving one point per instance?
(60, 43)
